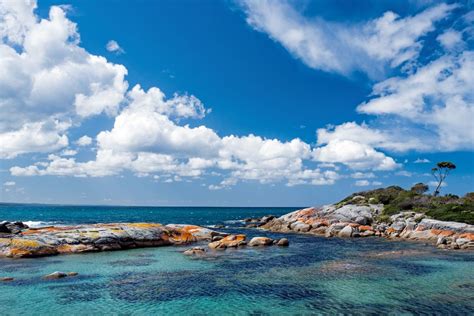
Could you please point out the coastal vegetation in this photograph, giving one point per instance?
(395, 199)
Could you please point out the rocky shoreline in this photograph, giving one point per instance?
(18, 240)
(356, 220)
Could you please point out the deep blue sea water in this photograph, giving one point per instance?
(315, 275)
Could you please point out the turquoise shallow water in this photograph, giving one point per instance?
(312, 276)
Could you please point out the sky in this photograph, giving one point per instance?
(232, 103)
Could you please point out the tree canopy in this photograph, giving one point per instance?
(440, 172)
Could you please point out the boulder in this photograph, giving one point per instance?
(462, 241)
(361, 214)
(231, 241)
(197, 232)
(283, 242)
(260, 241)
(398, 226)
(361, 220)
(300, 227)
(346, 231)
(334, 229)
(367, 233)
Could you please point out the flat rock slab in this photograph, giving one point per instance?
(56, 240)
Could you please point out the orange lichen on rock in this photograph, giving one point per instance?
(181, 236)
(229, 242)
(364, 228)
(19, 253)
(469, 236)
(390, 230)
(25, 243)
(443, 233)
(308, 212)
(316, 222)
(50, 229)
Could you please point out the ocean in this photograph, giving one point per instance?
(314, 275)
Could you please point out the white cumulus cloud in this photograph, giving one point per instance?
(47, 77)
(84, 141)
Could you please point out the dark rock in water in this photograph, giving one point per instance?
(6, 279)
(283, 242)
(3, 228)
(216, 238)
(267, 218)
(55, 275)
(12, 228)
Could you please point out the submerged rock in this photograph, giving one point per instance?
(195, 251)
(6, 279)
(55, 275)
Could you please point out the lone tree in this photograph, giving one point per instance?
(440, 172)
(419, 188)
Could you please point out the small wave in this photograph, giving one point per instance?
(38, 224)
(234, 221)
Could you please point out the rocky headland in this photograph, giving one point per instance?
(363, 215)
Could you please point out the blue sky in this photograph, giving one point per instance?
(240, 103)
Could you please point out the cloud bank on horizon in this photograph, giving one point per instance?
(50, 85)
